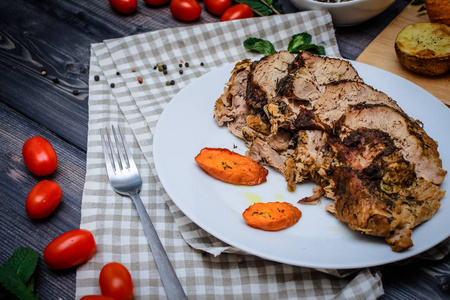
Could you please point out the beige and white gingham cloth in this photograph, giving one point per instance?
(207, 268)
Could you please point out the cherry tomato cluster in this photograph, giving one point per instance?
(40, 158)
(73, 247)
(227, 10)
(190, 10)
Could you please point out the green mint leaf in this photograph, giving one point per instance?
(23, 261)
(314, 49)
(13, 283)
(259, 45)
(30, 284)
(299, 40)
(258, 7)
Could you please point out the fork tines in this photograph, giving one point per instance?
(119, 157)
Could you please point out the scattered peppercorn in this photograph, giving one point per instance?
(165, 72)
(172, 82)
(202, 64)
(75, 92)
(55, 80)
(112, 85)
(133, 70)
(96, 78)
(167, 83)
(43, 73)
(180, 65)
(160, 68)
(186, 64)
(164, 67)
(181, 71)
(140, 79)
(117, 73)
(155, 67)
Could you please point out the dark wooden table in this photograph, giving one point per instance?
(55, 36)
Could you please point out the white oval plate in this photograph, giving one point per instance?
(318, 240)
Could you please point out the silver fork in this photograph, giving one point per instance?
(125, 179)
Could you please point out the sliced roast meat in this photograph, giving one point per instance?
(408, 135)
(326, 69)
(299, 84)
(377, 191)
(232, 100)
(310, 160)
(388, 200)
(261, 152)
(312, 118)
(309, 74)
(361, 147)
(231, 108)
(264, 77)
(293, 117)
(338, 96)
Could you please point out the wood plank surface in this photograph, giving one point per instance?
(16, 228)
(380, 53)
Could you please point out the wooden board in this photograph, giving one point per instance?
(380, 53)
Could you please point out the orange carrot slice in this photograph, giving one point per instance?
(271, 216)
(231, 167)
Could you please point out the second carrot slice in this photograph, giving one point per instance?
(271, 216)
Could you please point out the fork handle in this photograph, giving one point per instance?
(169, 278)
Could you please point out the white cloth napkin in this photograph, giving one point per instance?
(207, 267)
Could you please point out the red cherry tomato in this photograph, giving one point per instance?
(186, 10)
(156, 2)
(236, 12)
(115, 281)
(96, 297)
(43, 198)
(39, 156)
(70, 249)
(124, 6)
(217, 7)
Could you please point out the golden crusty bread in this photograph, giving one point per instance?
(438, 11)
(424, 48)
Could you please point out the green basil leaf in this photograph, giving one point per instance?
(298, 40)
(259, 45)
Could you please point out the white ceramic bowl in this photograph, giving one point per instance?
(347, 13)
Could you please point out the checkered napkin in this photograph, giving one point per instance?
(207, 267)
